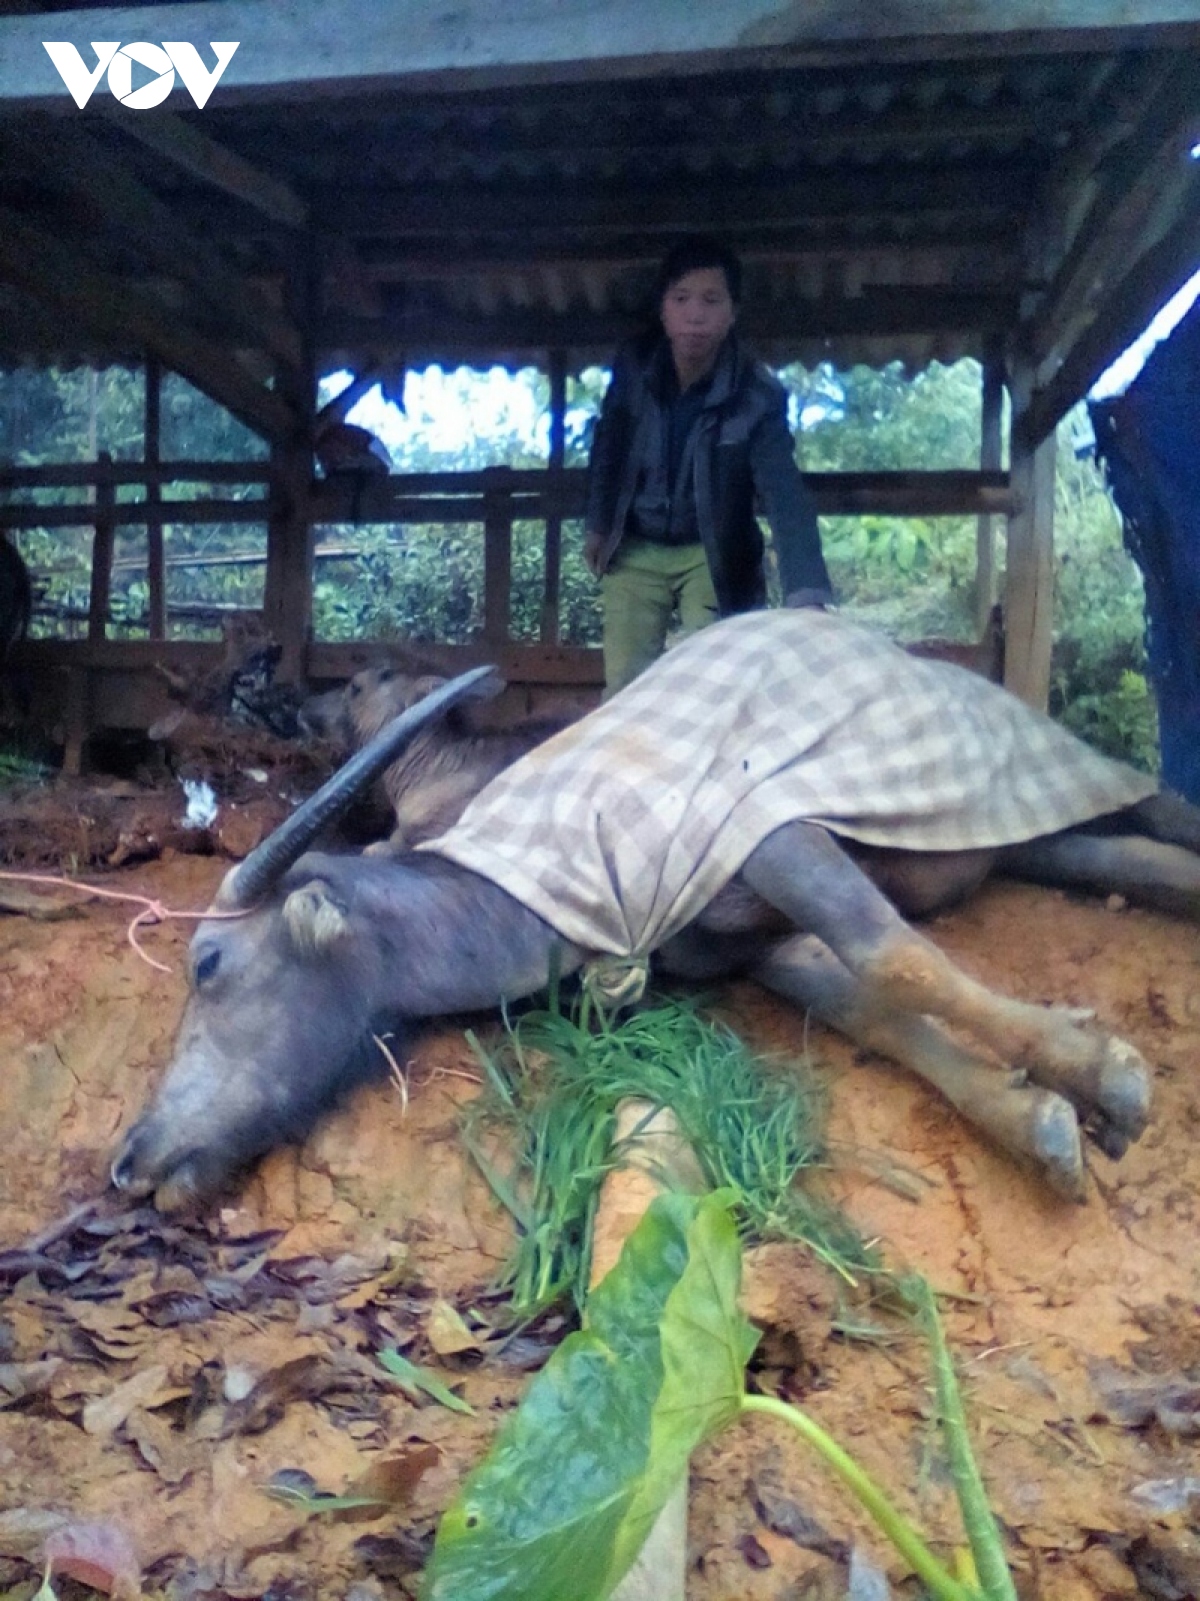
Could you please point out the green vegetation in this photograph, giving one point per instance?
(913, 576)
(564, 1500)
(552, 1085)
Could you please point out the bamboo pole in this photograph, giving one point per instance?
(656, 1157)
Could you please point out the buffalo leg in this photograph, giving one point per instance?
(1169, 818)
(1034, 1124)
(803, 872)
(1146, 871)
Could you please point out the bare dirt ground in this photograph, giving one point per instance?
(158, 1375)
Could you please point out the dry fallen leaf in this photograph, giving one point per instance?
(106, 1413)
(446, 1331)
(97, 1554)
(391, 1481)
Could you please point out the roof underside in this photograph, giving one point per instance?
(928, 209)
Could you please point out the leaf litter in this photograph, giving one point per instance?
(1045, 1297)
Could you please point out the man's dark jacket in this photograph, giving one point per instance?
(740, 454)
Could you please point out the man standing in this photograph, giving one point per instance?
(692, 435)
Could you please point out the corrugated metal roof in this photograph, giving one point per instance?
(883, 213)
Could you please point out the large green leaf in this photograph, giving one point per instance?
(563, 1501)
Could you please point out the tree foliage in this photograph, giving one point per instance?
(913, 576)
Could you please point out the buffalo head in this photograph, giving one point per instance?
(283, 986)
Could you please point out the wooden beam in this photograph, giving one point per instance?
(156, 566)
(982, 188)
(497, 558)
(1142, 184)
(635, 134)
(991, 449)
(348, 397)
(1131, 305)
(192, 150)
(555, 467)
(288, 586)
(879, 312)
(36, 263)
(113, 201)
(68, 473)
(321, 47)
(930, 241)
(103, 545)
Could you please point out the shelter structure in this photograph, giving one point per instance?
(381, 187)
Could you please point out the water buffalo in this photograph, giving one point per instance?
(323, 951)
(444, 767)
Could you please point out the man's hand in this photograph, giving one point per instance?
(593, 546)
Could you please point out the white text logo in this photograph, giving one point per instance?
(163, 60)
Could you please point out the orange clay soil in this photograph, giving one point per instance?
(157, 1376)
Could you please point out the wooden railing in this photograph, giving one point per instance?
(112, 681)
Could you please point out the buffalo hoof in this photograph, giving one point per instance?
(1056, 1147)
(1123, 1090)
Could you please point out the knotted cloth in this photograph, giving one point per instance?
(622, 828)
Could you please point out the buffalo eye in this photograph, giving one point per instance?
(205, 967)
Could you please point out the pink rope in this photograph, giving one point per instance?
(152, 911)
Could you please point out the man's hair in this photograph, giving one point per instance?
(692, 253)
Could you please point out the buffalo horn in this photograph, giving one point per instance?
(266, 864)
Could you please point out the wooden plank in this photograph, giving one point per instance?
(192, 150)
(1131, 305)
(330, 46)
(1029, 582)
(37, 262)
(519, 663)
(411, 498)
(135, 514)
(67, 474)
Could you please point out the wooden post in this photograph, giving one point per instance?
(156, 571)
(497, 557)
(76, 720)
(1029, 585)
(991, 446)
(549, 630)
(287, 596)
(103, 541)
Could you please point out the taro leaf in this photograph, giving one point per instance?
(419, 1381)
(564, 1499)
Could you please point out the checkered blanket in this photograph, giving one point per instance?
(621, 829)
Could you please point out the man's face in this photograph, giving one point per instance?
(697, 312)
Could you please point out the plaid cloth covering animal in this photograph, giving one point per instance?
(622, 828)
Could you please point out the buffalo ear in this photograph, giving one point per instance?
(314, 919)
